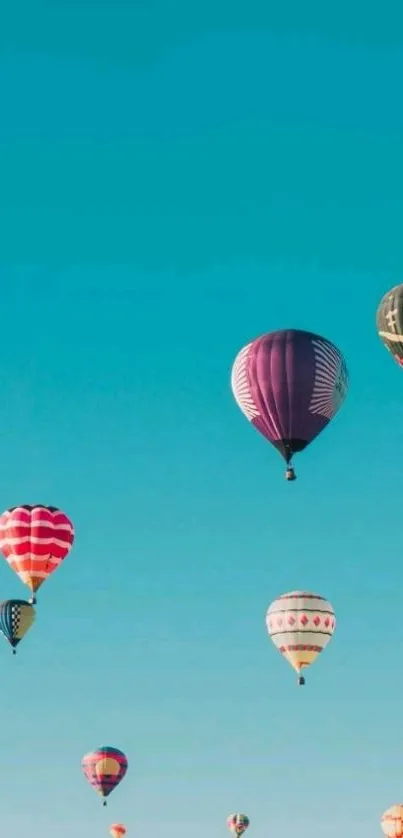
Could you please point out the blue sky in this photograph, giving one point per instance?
(175, 181)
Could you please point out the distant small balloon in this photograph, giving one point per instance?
(392, 821)
(16, 618)
(104, 769)
(300, 625)
(117, 830)
(237, 823)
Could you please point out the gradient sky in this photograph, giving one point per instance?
(175, 180)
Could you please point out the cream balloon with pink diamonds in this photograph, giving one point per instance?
(300, 625)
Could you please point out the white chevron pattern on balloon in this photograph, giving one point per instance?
(240, 384)
(330, 385)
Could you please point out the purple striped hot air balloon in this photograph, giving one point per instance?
(289, 384)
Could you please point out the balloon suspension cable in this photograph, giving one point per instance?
(301, 681)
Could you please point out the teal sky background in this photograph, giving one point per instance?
(175, 180)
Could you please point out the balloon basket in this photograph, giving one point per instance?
(301, 681)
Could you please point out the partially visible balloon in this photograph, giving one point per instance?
(237, 823)
(104, 769)
(117, 830)
(35, 540)
(16, 618)
(300, 625)
(289, 384)
(389, 322)
(392, 821)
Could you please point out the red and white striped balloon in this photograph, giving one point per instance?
(34, 540)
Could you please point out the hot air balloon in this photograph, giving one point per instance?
(16, 618)
(104, 769)
(300, 625)
(117, 830)
(289, 384)
(237, 823)
(35, 540)
(392, 821)
(389, 322)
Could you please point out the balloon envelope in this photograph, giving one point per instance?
(117, 830)
(289, 384)
(237, 823)
(389, 322)
(35, 540)
(300, 625)
(104, 769)
(392, 821)
(16, 618)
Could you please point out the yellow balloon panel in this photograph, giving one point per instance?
(300, 658)
(108, 766)
(26, 616)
